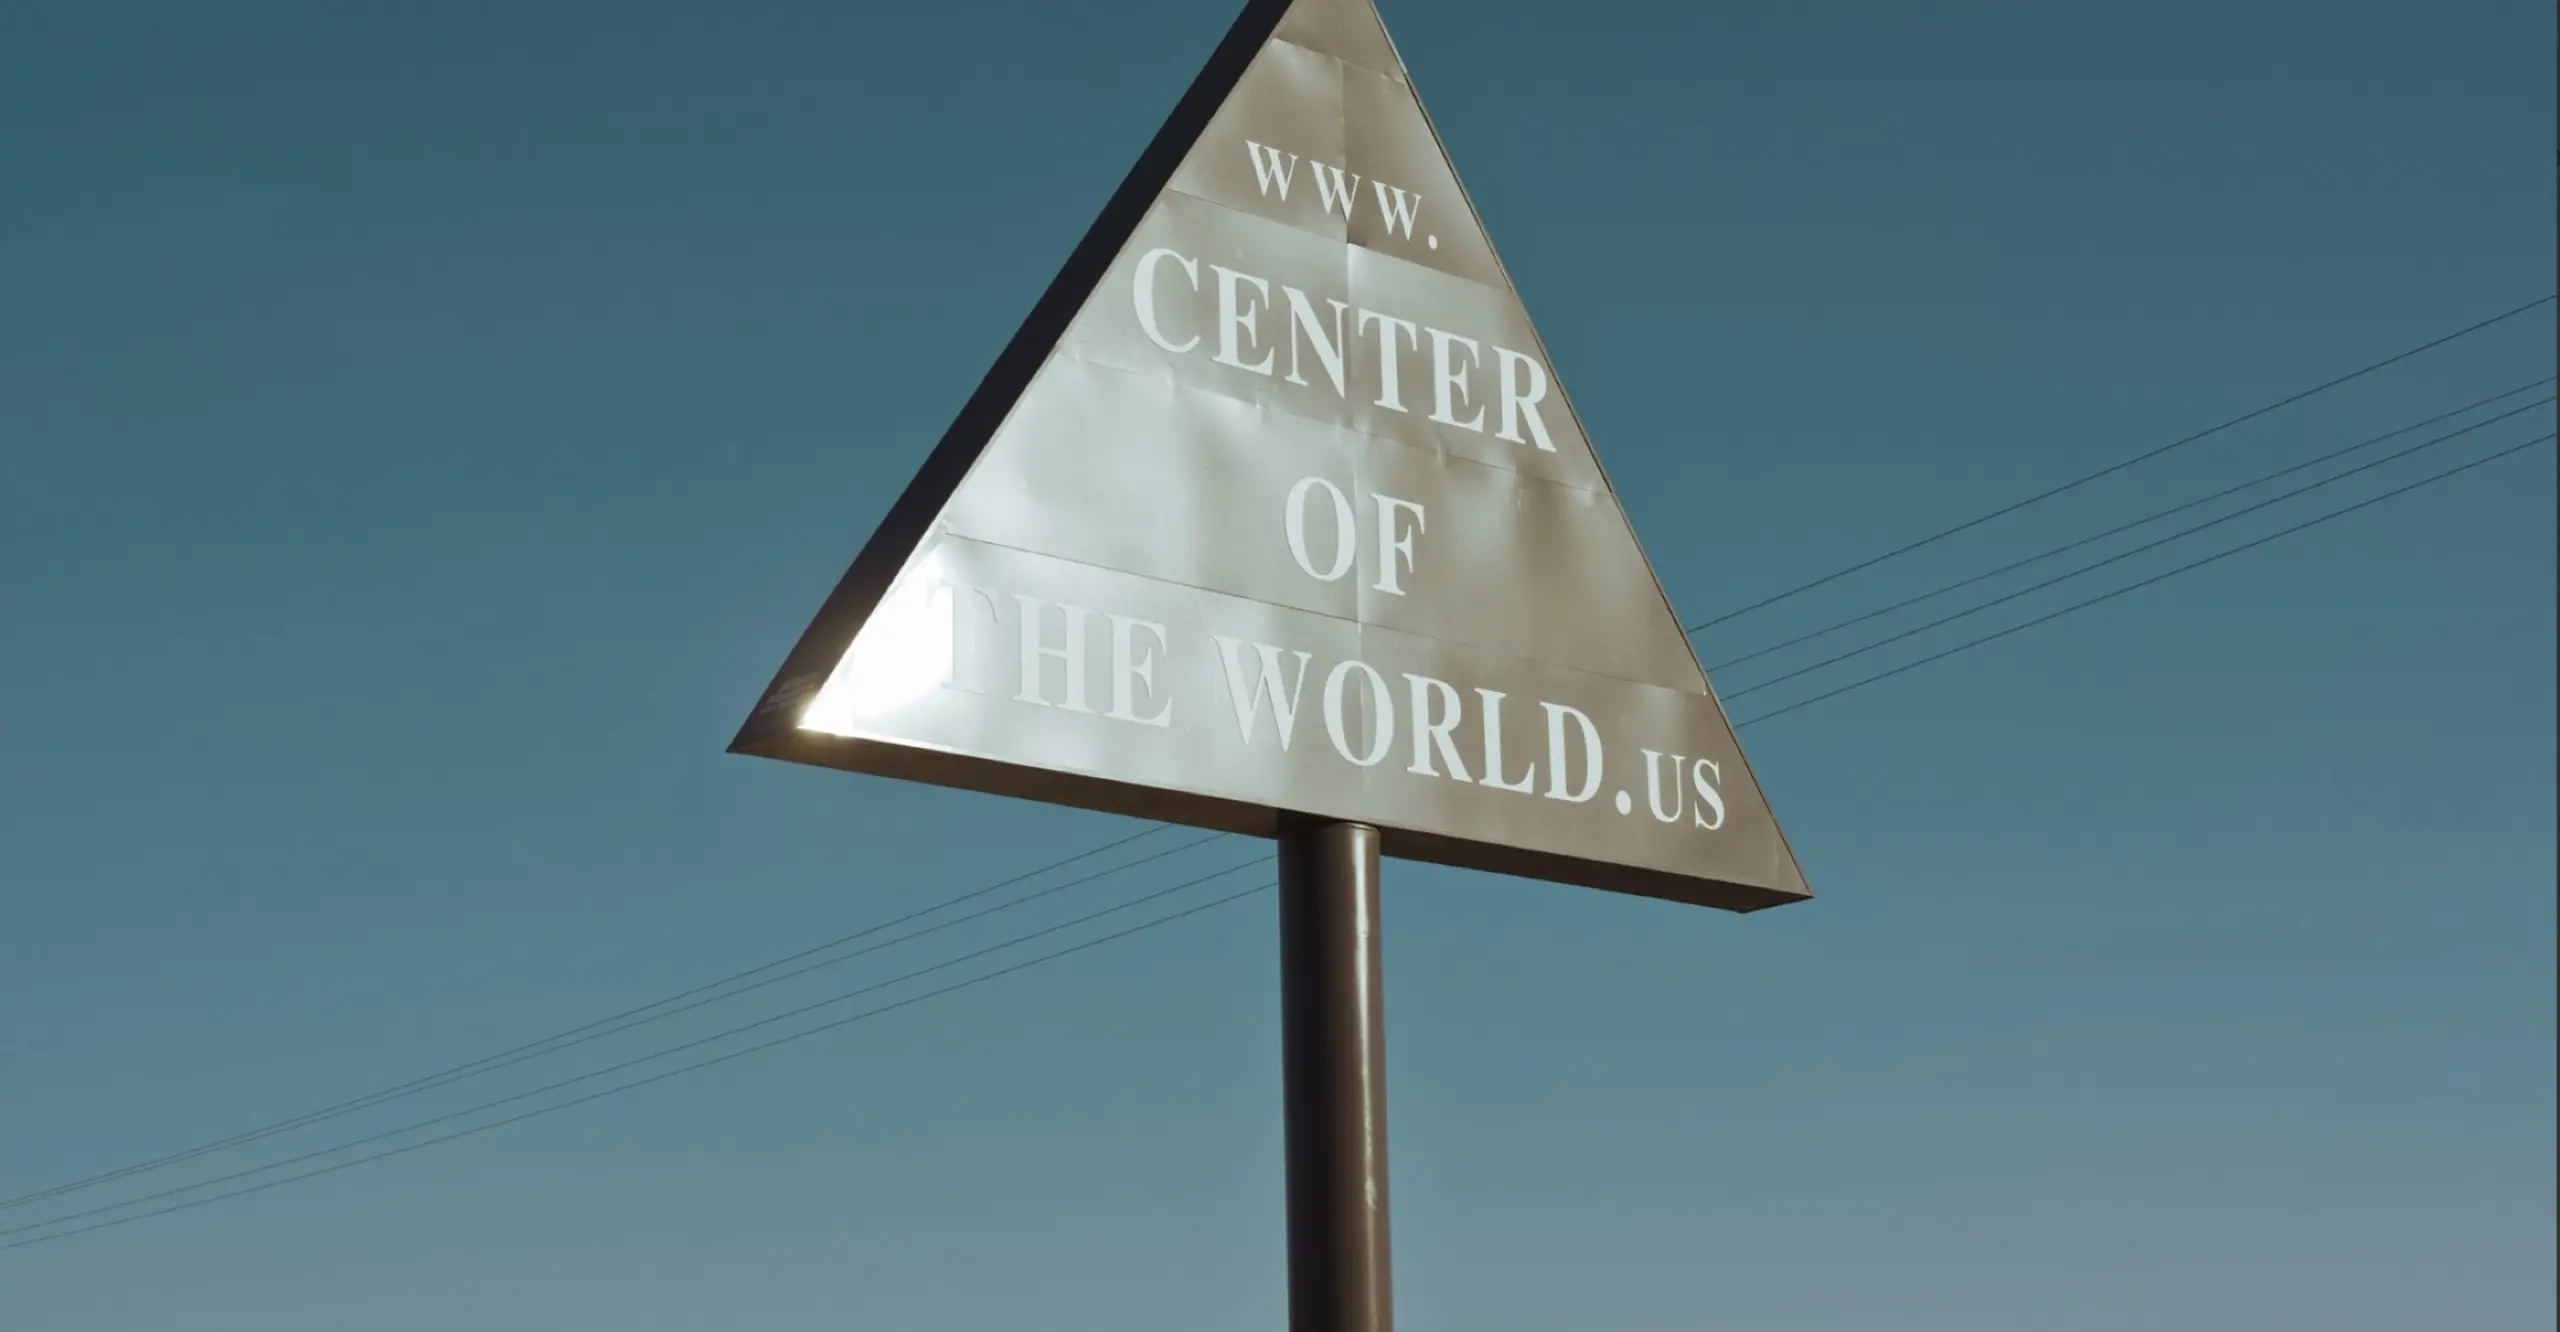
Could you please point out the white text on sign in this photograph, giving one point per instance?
(1463, 384)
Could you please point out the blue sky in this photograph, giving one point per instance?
(421, 435)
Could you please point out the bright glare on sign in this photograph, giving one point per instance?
(902, 654)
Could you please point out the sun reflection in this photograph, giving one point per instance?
(903, 653)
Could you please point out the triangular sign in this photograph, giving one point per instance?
(1275, 505)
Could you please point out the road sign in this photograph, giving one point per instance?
(1276, 505)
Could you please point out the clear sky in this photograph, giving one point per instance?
(423, 429)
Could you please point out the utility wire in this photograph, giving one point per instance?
(2121, 556)
(2217, 557)
(661, 1076)
(713, 1061)
(538, 1046)
(2006, 510)
(608, 1025)
(591, 1030)
(626, 1065)
(2148, 519)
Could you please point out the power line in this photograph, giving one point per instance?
(622, 1021)
(713, 1061)
(661, 1076)
(2121, 556)
(2155, 578)
(776, 979)
(626, 1065)
(2144, 521)
(2004, 511)
(2123, 528)
(582, 1034)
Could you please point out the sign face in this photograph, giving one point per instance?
(1275, 505)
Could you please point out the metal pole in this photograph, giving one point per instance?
(1333, 1044)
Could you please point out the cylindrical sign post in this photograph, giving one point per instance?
(1334, 1078)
